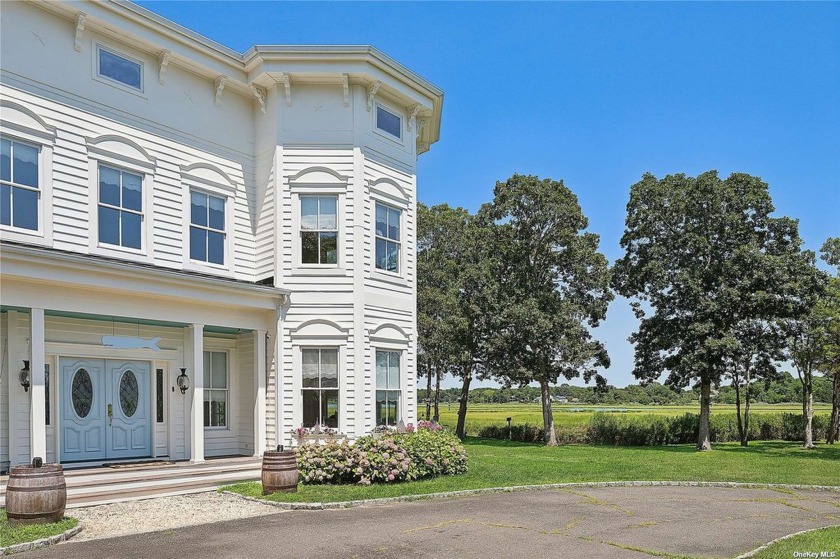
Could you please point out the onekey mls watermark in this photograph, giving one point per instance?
(814, 554)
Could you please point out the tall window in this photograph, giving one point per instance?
(215, 389)
(319, 229)
(387, 238)
(159, 395)
(387, 387)
(19, 190)
(120, 207)
(320, 387)
(207, 227)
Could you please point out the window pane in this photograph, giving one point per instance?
(218, 377)
(206, 369)
(25, 208)
(381, 408)
(26, 164)
(131, 230)
(329, 248)
(311, 408)
(5, 204)
(217, 213)
(109, 186)
(218, 408)
(159, 395)
(329, 368)
(327, 213)
(309, 368)
(329, 408)
(393, 407)
(216, 248)
(381, 220)
(381, 260)
(5, 160)
(392, 257)
(309, 247)
(119, 68)
(198, 244)
(132, 192)
(381, 369)
(388, 122)
(308, 212)
(394, 370)
(207, 409)
(198, 208)
(109, 226)
(393, 224)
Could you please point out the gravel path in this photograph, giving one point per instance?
(163, 513)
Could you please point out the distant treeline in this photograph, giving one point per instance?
(786, 390)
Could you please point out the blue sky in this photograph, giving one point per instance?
(596, 94)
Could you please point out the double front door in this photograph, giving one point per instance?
(105, 409)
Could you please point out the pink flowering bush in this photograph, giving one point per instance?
(390, 458)
(429, 426)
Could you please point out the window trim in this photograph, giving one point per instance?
(338, 389)
(205, 265)
(301, 230)
(402, 383)
(300, 268)
(401, 258)
(98, 76)
(43, 234)
(229, 402)
(396, 112)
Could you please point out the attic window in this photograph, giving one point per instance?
(388, 122)
(119, 68)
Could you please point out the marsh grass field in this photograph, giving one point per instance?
(572, 415)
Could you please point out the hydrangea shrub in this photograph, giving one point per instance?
(390, 458)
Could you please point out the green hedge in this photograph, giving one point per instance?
(652, 429)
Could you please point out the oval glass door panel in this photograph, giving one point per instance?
(129, 393)
(82, 393)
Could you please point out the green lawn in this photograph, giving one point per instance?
(570, 415)
(818, 541)
(12, 536)
(495, 463)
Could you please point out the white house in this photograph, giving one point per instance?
(168, 203)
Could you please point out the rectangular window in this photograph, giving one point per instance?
(207, 227)
(120, 207)
(388, 122)
(47, 394)
(388, 238)
(320, 387)
(119, 68)
(159, 395)
(387, 387)
(319, 229)
(19, 189)
(215, 389)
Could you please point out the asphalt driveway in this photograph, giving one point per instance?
(608, 523)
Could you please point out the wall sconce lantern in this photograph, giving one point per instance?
(24, 376)
(183, 381)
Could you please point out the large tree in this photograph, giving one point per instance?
(830, 309)
(553, 287)
(703, 256)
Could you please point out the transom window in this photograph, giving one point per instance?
(387, 387)
(120, 207)
(388, 238)
(119, 68)
(319, 229)
(207, 227)
(388, 122)
(215, 389)
(19, 189)
(320, 387)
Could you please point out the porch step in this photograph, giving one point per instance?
(94, 486)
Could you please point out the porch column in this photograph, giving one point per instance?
(194, 350)
(259, 396)
(37, 386)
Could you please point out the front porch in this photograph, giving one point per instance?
(104, 484)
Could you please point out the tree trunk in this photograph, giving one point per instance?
(548, 415)
(428, 391)
(704, 441)
(737, 386)
(747, 394)
(462, 406)
(436, 416)
(809, 412)
(834, 424)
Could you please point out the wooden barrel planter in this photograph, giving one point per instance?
(35, 495)
(279, 472)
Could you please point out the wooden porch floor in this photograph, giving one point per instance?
(102, 484)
